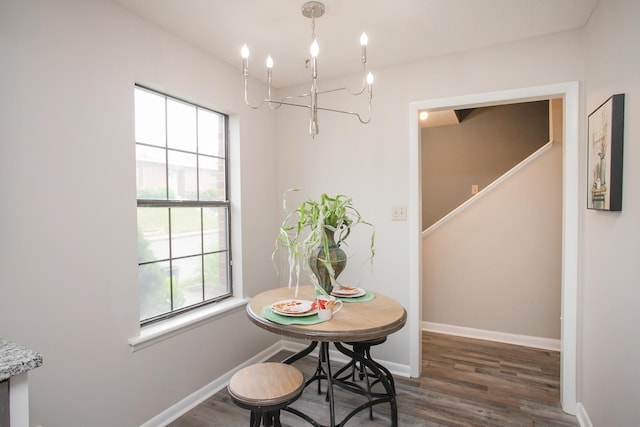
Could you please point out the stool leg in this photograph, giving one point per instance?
(361, 350)
(384, 370)
(351, 365)
(255, 419)
(364, 350)
(319, 370)
(268, 419)
(276, 419)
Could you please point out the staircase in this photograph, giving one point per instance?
(494, 263)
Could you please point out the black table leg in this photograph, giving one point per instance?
(323, 372)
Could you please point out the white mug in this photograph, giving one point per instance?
(328, 306)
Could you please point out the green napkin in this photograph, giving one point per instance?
(269, 314)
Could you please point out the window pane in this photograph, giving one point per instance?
(155, 289)
(181, 125)
(151, 173)
(183, 178)
(153, 234)
(187, 289)
(185, 232)
(212, 176)
(210, 133)
(150, 114)
(215, 275)
(214, 231)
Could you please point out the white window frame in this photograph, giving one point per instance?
(204, 309)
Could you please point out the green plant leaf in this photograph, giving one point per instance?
(304, 230)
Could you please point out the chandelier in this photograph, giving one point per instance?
(312, 10)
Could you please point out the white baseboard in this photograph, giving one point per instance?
(175, 411)
(461, 331)
(582, 416)
(199, 396)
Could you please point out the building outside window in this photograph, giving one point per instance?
(184, 255)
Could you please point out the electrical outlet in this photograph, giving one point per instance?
(474, 189)
(399, 213)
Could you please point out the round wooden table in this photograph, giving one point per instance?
(355, 322)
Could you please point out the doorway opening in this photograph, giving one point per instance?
(569, 92)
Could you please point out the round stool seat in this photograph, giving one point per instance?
(266, 386)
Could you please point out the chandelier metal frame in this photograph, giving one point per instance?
(312, 10)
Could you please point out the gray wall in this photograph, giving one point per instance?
(486, 144)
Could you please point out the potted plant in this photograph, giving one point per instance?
(312, 235)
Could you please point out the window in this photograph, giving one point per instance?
(184, 256)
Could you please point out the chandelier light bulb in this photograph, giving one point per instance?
(269, 62)
(369, 79)
(315, 49)
(363, 42)
(364, 39)
(244, 52)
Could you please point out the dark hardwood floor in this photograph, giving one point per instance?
(464, 382)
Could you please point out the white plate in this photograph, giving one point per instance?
(294, 307)
(345, 290)
(348, 293)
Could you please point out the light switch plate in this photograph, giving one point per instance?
(399, 213)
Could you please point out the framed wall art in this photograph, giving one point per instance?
(604, 153)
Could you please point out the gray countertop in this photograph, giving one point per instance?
(15, 359)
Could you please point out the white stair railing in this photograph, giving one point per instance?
(488, 188)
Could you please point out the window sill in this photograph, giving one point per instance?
(166, 329)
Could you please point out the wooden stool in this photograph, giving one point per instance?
(265, 389)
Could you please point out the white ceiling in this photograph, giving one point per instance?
(399, 31)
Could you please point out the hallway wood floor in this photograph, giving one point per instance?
(464, 382)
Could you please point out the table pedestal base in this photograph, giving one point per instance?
(323, 372)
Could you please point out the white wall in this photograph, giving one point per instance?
(609, 348)
(372, 163)
(68, 217)
(67, 183)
